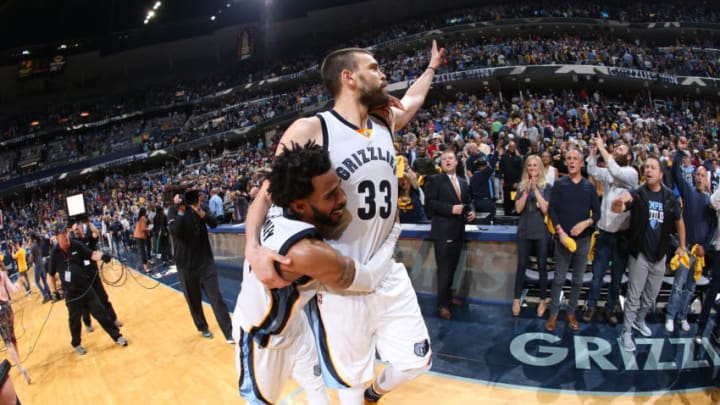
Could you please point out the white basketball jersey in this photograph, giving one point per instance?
(366, 165)
(269, 316)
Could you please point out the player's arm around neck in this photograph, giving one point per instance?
(262, 259)
(315, 258)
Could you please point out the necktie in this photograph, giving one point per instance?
(456, 186)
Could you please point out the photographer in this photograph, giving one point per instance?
(195, 262)
(72, 260)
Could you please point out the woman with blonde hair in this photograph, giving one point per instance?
(531, 203)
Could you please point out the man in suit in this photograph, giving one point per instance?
(448, 199)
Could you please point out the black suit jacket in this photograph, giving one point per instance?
(440, 198)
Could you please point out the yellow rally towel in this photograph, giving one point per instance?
(550, 226)
(593, 241)
(570, 244)
(676, 261)
(699, 262)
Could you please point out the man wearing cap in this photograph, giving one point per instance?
(72, 261)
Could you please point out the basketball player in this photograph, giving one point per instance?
(275, 340)
(388, 320)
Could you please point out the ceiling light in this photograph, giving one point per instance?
(212, 18)
(157, 5)
(25, 52)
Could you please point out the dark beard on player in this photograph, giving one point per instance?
(374, 98)
(329, 228)
(621, 160)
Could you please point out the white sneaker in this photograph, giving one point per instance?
(122, 341)
(669, 325)
(626, 341)
(684, 325)
(642, 328)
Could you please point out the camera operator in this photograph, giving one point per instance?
(195, 263)
(72, 261)
(87, 234)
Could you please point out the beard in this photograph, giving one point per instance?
(621, 160)
(331, 228)
(373, 98)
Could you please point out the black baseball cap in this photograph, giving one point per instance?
(60, 227)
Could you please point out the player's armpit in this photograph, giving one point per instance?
(315, 258)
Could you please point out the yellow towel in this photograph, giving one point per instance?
(699, 263)
(570, 244)
(676, 261)
(593, 241)
(550, 226)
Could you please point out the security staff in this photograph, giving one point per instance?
(72, 261)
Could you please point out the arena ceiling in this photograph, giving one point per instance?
(32, 22)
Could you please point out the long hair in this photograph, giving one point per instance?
(525, 176)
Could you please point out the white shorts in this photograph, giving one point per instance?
(350, 328)
(263, 372)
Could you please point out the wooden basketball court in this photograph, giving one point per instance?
(167, 361)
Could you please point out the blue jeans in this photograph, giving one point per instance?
(524, 247)
(41, 280)
(682, 291)
(609, 247)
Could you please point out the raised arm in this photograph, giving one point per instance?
(415, 96)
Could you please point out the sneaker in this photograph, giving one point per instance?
(122, 341)
(669, 325)
(27, 293)
(642, 328)
(89, 329)
(45, 300)
(698, 339)
(230, 341)
(684, 325)
(80, 350)
(626, 341)
(207, 334)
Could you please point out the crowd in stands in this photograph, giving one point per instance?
(210, 117)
